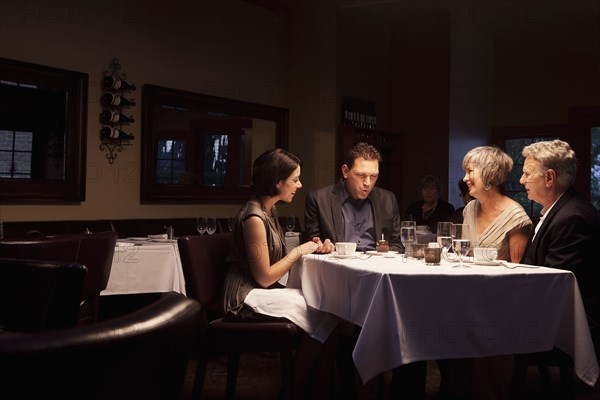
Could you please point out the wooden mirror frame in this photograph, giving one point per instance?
(155, 96)
(75, 85)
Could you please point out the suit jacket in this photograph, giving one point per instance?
(569, 239)
(323, 215)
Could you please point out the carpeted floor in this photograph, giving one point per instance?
(259, 379)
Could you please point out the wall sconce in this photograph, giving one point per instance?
(114, 104)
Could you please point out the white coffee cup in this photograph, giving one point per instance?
(485, 254)
(422, 228)
(345, 248)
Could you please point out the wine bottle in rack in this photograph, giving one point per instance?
(112, 82)
(114, 117)
(115, 133)
(116, 100)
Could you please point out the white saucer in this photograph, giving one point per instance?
(379, 253)
(355, 255)
(491, 263)
(138, 239)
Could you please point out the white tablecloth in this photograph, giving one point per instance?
(410, 312)
(145, 268)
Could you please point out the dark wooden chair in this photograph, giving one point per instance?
(140, 355)
(39, 295)
(543, 361)
(96, 252)
(57, 248)
(203, 261)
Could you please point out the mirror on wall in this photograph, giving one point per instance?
(198, 148)
(43, 130)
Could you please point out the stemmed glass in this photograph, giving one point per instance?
(211, 225)
(461, 242)
(230, 223)
(290, 223)
(408, 235)
(201, 225)
(444, 237)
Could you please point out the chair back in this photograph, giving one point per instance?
(39, 295)
(57, 248)
(203, 263)
(96, 252)
(140, 355)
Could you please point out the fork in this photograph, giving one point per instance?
(506, 265)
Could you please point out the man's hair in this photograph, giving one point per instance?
(271, 167)
(362, 150)
(556, 155)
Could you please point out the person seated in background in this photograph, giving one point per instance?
(259, 257)
(457, 215)
(355, 210)
(431, 209)
(568, 232)
(497, 221)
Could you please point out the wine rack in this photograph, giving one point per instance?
(116, 103)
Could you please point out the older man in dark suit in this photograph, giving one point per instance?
(354, 209)
(568, 233)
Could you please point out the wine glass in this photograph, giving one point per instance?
(290, 223)
(444, 236)
(230, 223)
(461, 242)
(211, 225)
(408, 235)
(201, 225)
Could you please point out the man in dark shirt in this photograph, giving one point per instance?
(355, 210)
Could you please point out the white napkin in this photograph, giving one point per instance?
(290, 304)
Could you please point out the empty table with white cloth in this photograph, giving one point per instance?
(410, 312)
(145, 267)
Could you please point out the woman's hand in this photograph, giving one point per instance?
(324, 247)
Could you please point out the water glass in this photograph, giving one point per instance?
(444, 237)
(461, 242)
(408, 235)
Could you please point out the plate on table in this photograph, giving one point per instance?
(381, 253)
(489, 263)
(138, 239)
(161, 240)
(355, 255)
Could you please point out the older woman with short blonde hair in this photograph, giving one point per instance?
(495, 219)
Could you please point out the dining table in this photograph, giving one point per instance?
(143, 265)
(409, 311)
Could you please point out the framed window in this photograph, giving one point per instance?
(199, 149)
(43, 131)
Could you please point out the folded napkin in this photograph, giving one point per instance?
(161, 236)
(290, 304)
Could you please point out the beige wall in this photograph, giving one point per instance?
(228, 48)
(538, 58)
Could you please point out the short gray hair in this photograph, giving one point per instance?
(556, 155)
(493, 164)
